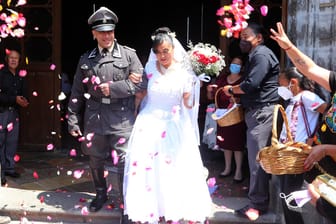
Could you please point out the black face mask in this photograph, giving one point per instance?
(245, 46)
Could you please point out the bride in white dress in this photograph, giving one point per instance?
(164, 174)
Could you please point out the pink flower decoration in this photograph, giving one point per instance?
(263, 10)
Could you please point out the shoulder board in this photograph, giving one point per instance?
(129, 48)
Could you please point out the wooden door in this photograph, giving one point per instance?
(40, 122)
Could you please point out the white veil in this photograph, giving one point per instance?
(181, 56)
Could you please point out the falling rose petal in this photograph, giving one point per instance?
(78, 174)
(61, 96)
(211, 182)
(210, 109)
(49, 218)
(58, 106)
(176, 109)
(85, 80)
(220, 138)
(89, 144)
(50, 147)
(84, 211)
(263, 10)
(81, 139)
(42, 199)
(22, 73)
(150, 75)
(252, 214)
(73, 152)
(168, 160)
(52, 67)
(0, 127)
(35, 93)
(1, 66)
(35, 175)
(135, 163)
(58, 173)
(20, 2)
(115, 157)
(10, 127)
(16, 158)
(121, 141)
(89, 136)
(7, 51)
(69, 172)
(163, 134)
(87, 95)
(109, 188)
(74, 100)
(210, 130)
(106, 173)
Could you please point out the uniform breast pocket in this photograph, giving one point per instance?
(121, 70)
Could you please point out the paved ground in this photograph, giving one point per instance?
(48, 192)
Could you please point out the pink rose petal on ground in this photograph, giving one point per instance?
(10, 127)
(78, 174)
(163, 134)
(16, 158)
(264, 10)
(50, 147)
(22, 73)
(252, 214)
(52, 67)
(121, 141)
(84, 211)
(35, 175)
(35, 93)
(73, 152)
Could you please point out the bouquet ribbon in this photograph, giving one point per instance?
(203, 77)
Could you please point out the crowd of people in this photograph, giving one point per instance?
(144, 115)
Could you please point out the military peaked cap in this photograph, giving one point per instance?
(103, 20)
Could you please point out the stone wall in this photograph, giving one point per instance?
(311, 25)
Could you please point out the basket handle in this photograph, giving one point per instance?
(275, 140)
(218, 90)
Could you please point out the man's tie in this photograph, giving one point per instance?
(104, 52)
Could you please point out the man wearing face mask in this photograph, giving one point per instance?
(258, 96)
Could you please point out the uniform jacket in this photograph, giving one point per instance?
(89, 107)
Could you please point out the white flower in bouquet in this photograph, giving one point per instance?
(206, 59)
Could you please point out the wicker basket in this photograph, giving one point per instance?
(281, 158)
(232, 117)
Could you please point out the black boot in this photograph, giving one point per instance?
(101, 190)
(99, 201)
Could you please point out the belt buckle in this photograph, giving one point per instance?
(106, 100)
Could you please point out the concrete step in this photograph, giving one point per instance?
(66, 207)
